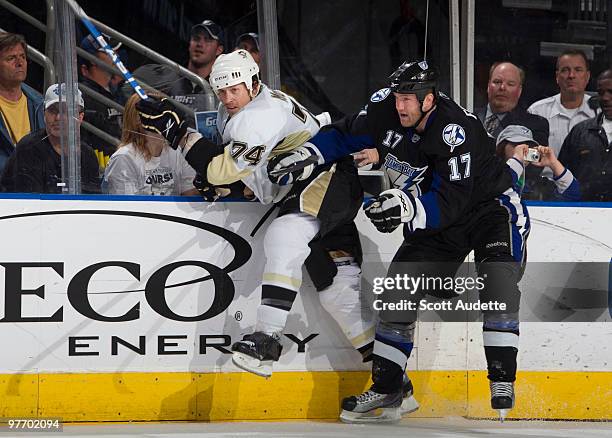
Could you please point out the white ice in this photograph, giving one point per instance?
(407, 428)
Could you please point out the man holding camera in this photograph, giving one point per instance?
(517, 145)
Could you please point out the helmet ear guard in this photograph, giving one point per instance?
(234, 68)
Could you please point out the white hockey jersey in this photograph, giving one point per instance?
(271, 123)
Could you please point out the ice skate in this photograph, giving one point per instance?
(256, 353)
(502, 398)
(409, 403)
(372, 407)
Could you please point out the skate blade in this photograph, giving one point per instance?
(262, 368)
(503, 413)
(380, 415)
(409, 404)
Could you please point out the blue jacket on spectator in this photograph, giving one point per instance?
(37, 121)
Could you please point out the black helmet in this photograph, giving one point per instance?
(414, 78)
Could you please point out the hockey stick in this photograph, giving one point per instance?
(93, 30)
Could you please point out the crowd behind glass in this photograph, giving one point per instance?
(574, 125)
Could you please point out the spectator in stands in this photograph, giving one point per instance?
(205, 45)
(99, 114)
(250, 42)
(36, 165)
(144, 164)
(586, 149)
(504, 90)
(571, 106)
(20, 106)
(515, 139)
(117, 80)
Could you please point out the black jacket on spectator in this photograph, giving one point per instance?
(35, 167)
(518, 116)
(586, 152)
(102, 117)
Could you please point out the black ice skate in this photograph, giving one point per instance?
(372, 407)
(409, 403)
(256, 353)
(502, 397)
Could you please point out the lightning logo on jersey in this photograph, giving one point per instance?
(404, 176)
(453, 135)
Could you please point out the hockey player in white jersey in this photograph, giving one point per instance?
(315, 222)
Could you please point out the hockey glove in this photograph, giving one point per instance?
(390, 209)
(207, 190)
(297, 165)
(162, 117)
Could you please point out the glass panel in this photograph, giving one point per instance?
(547, 28)
(538, 36)
(193, 34)
(334, 55)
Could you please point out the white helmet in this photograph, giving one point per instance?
(234, 68)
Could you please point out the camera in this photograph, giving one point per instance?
(533, 155)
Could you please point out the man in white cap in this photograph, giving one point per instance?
(35, 167)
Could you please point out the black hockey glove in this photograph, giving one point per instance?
(390, 209)
(207, 190)
(162, 117)
(297, 165)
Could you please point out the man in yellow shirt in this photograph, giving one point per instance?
(20, 105)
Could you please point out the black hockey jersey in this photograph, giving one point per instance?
(449, 168)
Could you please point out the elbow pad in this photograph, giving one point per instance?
(201, 154)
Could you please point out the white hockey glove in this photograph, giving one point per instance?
(296, 165)
(390, 209)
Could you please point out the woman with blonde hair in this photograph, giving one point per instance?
(144, 164)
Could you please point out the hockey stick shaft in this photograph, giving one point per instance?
(93, 30)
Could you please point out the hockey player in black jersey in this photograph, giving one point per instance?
(451, 195)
